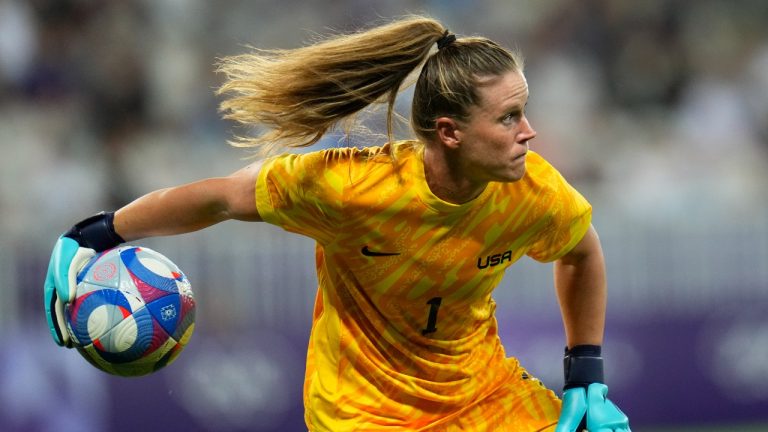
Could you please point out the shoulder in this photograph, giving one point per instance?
(343, 165)
(539, 172)
(541, 182)
(537, 164)
(352, 155)
(359, 164)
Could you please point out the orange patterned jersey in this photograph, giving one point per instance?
(404, 334)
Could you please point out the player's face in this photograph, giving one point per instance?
(494, 141)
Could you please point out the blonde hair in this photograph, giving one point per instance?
(449, 81)
(298, 95)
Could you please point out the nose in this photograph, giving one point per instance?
(526, 133)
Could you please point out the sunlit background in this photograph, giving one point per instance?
(656, 110)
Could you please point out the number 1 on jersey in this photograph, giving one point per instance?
(434, 305)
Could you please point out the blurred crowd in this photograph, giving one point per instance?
(657, 109)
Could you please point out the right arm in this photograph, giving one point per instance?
(169, 211)
(191, 207)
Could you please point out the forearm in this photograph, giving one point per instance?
(580, 282)
(175, 210)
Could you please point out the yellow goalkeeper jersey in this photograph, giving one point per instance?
(404, 335)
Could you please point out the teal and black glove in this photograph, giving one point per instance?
(585, 401)
(70, 253)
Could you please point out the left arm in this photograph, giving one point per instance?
(581, 287)
(580, 283)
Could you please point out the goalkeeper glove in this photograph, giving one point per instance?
(70, 253)
(585, 404)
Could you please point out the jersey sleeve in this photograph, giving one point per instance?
(301, 194)
(567, 216)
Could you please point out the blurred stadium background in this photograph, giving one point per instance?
(656, 110)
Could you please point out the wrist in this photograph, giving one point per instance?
(96, 232)
(582, 366)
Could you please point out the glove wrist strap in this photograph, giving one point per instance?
(582, 366)
(96, 232)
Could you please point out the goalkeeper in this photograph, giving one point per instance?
(412, 237)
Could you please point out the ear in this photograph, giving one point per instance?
(448, 133)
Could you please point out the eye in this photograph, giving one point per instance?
(512, 117)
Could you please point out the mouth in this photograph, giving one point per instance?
(520, 157)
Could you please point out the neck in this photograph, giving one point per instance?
(446, 179)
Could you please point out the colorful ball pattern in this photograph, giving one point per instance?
(133, 313)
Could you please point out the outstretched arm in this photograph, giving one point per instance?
(168, 211)
(580, 282)
(191, 207)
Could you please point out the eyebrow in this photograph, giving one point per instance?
(513, 106)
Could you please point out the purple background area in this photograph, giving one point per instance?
(682, 370)
(669, 376)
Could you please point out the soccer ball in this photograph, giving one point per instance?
(133, 312)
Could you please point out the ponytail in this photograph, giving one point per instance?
(298, 95)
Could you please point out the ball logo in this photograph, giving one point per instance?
(168, 312)
(105, 271)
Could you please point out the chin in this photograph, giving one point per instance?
(512, 176)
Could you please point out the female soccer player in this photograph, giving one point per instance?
(412, 237)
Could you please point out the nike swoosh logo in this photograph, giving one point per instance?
(370, 253)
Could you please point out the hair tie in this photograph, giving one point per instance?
(445, 40)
